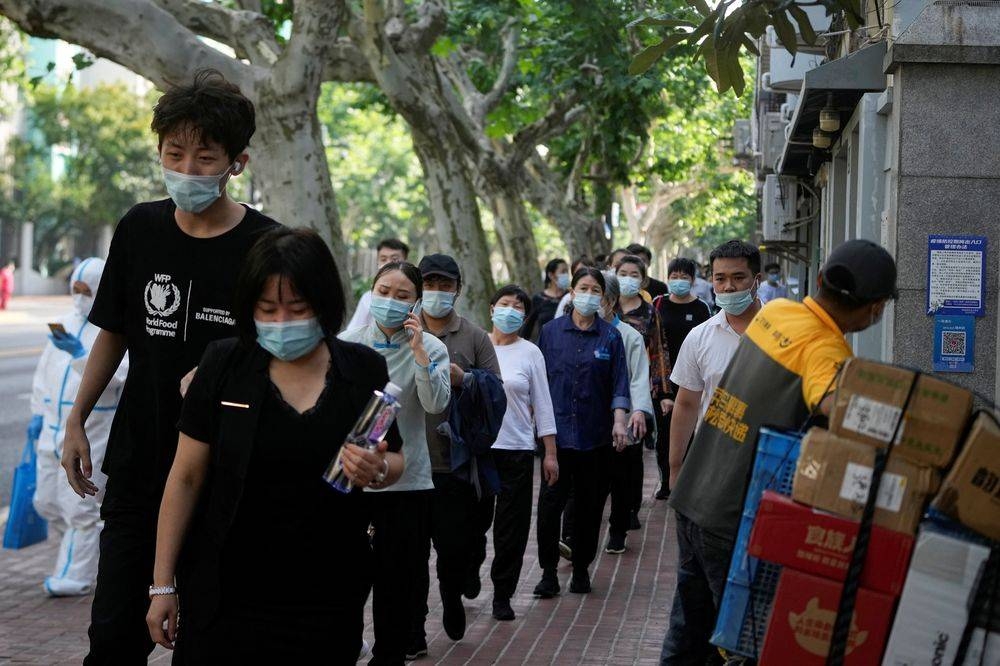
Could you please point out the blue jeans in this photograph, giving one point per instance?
(701, 577)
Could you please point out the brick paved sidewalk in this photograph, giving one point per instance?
(621, 622)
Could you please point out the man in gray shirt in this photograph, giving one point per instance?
(459, 518)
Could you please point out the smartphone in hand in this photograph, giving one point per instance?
(415, 311)
(58, 330)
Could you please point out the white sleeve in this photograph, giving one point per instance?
(638, 367)
(37, 383)
(541, 399)
(686, 372)
(563, 304)
(434, 381)
(362, 315)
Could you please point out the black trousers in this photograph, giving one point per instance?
(663, 443)
(513, 519)
(585, 474)
(400, 522)
(458, 522)
(118, 632)
(626, 486)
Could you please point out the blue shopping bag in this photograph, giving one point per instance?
(24, 526)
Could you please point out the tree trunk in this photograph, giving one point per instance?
(517, 241)
(456, 220)
(546, 194)
(292, 171)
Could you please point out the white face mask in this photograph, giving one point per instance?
(82, 304)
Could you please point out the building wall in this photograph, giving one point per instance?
(948, 181)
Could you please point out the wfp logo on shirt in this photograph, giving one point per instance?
(162, 298)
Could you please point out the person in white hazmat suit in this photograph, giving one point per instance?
(56, 381)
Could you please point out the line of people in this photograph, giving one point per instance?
(241, 387)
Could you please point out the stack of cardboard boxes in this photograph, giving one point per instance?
(813, 533)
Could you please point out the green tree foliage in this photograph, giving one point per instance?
(89, 157)
(721, 34)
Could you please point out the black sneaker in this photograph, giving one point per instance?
(663, 493)
(473, 585)
(565, 550)
(548, 587)
(633, 521)
(416, 649)
(580, 582)
(502, 610)
(616, 543)
(453, 617)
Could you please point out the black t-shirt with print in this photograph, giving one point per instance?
(169, 294)
(677, 320)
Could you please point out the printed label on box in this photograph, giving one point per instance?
(871, 417)
(858, 479)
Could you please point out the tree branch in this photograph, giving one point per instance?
(432, 19)
(250, 34)
(490, 100)
(346, 63)
(564, 112)
(137, 34)
(315, 26)
(250, 6)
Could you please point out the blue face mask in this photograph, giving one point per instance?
(737, 302)
(289, 340)
(563, 280)
(680, 287)
(438, 303)
(508, 320)
(629, 286)
(773, 278)
(586, 304)
(193, 193)
(389, 312)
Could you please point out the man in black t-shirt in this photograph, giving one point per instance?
(166, 293)
(679, 312)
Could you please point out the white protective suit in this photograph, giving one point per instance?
(54, 389)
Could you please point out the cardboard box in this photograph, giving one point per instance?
(869, 400)
(797, 536)
(802, 618)
(971, 491)
(934, 607)
(834, 474)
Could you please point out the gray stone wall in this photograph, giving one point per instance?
(948, 183)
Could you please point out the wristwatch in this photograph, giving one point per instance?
(162, 590)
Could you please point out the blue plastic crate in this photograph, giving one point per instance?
(751, 584)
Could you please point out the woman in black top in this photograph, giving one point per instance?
(276, 562)
(544, 303)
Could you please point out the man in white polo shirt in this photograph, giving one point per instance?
(710, 346)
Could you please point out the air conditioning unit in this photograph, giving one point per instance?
(820, 23)
(772, 140)
(788, 107)
(742, 146)
(779, 207)
(786, 71)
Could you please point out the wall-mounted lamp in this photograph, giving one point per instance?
(821, 139)
(829, 118)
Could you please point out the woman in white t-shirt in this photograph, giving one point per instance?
(529, 414)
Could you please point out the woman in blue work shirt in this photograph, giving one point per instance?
(589, 383)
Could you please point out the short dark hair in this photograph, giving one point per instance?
(210, 107)
(592, 272)
(582, 260)
(635, 261)
(638, 248)
(682, 265)
(394, 244)
(411, 272)
(736, 249)
(552, 267)
(775, 266)
(513, 290)
(600, 260)
(301, 256)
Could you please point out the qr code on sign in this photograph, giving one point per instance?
(953, 343)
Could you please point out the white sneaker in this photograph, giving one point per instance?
(366, 650)
(65, 587)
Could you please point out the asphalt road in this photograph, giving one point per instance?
(23, 334)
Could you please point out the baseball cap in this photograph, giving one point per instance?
(439, 264)
(861, 270)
